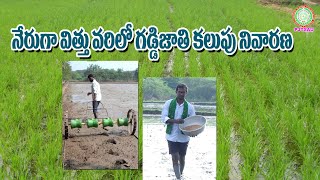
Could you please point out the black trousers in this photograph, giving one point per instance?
(95, 105)
(179, 147)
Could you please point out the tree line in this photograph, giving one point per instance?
(100, 74)
(162, 89)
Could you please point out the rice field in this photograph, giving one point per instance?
(268, 102)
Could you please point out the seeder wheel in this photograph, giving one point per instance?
(132, 121)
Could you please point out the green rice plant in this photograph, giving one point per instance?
(194, 64)
(273, 130)
(223, 130)
(123, 175)
(179, 67)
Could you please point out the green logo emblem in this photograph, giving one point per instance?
(303, 16)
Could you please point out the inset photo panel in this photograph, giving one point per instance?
(179, 128)
(100, 115)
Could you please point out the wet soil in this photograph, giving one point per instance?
(100, 148)
(200, 158)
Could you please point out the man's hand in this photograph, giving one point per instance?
(89, 93)
(175, 121)
(180, 121)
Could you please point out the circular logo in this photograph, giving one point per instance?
(303, 16)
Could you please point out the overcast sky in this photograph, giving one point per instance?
(124, 65)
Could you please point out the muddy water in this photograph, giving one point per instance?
(78, 99)
(206, 108)
(117, 99)
(200, 158)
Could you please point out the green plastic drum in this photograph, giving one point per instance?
(92, 123)
(76, 123)
(107, 122)
(122, 121)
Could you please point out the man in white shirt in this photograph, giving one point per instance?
(173, 113)
(96, 94)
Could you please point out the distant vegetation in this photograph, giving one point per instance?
(102, 75)
(293, 2)
(161, 89)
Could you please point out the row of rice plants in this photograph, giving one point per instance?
(225, 120)
(275, 160)
(32, 101)
(246, 124)
(28, 108)
(189, 64)
(195, 65)
(147, 15)
(279, 99)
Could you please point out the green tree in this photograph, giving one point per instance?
(156, 89)
(66, 71)
(199, 89)
(106, 75)
(94, 69)
(77, 75)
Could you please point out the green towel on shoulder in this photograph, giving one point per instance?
(172, 110)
